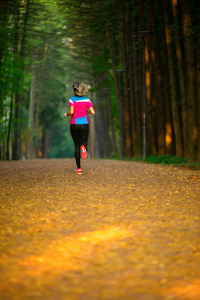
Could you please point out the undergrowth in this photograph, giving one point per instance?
(170, 160)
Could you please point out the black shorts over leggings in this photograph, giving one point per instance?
(80, 135)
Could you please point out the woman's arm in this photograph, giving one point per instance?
(91, 111)
(70, 112)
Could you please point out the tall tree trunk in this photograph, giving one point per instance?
(181, 73)
(157, 76)
(112, 128)
(109, 23)
(131, 28)
(150, 99)
(17, 137)
(99, 126)
(173, 83)
(46, 142)
(9, 128)
(18, 96)
(190, 79)
(41, 80)
(138, 81)
(123, 55)
(133, 74)
(31, 151)
(198, 87)
(169, 136)
(92, 138)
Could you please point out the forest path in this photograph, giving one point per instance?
(120, 231)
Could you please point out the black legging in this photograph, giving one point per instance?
(80, 135)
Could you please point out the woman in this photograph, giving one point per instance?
(79, 106)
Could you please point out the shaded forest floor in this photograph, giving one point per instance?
(120, 231)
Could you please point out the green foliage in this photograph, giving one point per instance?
(165, 159)
(114, 156)
(101, 63)
(62, 145)
(172, 160)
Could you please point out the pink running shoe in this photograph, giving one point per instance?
(83, 152)
(78, 171)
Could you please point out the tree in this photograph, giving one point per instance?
(197, 83)
(190, 79)
(157, 74)
(173, 84)
(46, 45)
(181, 75)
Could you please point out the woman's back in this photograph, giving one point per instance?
(80, 104)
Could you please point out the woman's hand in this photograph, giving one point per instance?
(65, 115)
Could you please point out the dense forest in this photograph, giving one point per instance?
(46, 45)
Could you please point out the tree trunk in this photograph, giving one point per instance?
(123, 56)
(46, 142)
(17, 136)
(112, 128)
(31, 151)
(157, 78)
(190, 79)
(181, 72)
(150, 100)
(173, 83)
(9, 128)
(92, 137)
(18, 97)
(169, 137)
(198, 88)
(133, 74)
(138, 81)
(41, 78)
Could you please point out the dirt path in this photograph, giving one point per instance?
(119, 231)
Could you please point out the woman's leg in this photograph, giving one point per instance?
(80, 135)
(74, 129)
(84, 134)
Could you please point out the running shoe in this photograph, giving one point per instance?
(83, 152)
(78, 171)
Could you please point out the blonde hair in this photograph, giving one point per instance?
(80, 88)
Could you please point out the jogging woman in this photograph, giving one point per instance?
(79, 106)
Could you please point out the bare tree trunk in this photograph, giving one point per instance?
(18, 97)
(46, 143)
(138, 81)
(169, 137)
(181, 72)
(151, 128)
(190, 79)
(31, 151)
(123, 55)
(113, 136)
(133, 76)
(17, 137)
(39, 98)
(198, 88)
(9, 128)
(92, 138)
(173, 84)
(131, 37)
(157, 78)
